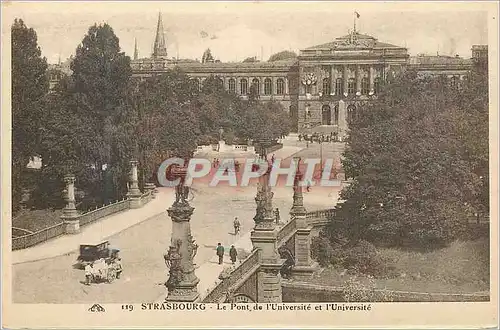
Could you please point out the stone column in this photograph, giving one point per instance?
(264, 236)
(372, 80)
(261, 85)
(182, 282)
(274, 87)
(332, 80)
(286, 86)
(358, 80)
(134, 194)
(70, 215)
(346, 78)
(304, 265)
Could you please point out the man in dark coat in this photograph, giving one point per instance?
(220, 253)
(233, 254)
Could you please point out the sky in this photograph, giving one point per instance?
(235, 31)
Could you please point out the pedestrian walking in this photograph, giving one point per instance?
(220, 253)
(237, 225)
(88, 274)
(233, 254)
(308, 188)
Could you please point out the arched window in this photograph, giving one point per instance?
(365, 86)
(326, 112)
(339, 86)
(351, 86)
(256, 86)
(280, 86)
(336, 115)
(232, 85)
(351, 113)
(268, 86)
(376, 85)
(326, 86)
(220, 82)
(244, 86)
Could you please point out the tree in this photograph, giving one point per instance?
(207, 56)
(29, 86)
(250, 60)
(416, 158)
(283, 55)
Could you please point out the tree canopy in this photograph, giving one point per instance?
(419, 162)
(29, 87)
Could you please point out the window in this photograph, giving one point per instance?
(326, 86)
(339, 86)
(256, 86)
(280, 86)
(232, 86)
(336, 115)
(351, 113)
(351, 86)
(220, 82)
(376, 85)
(365, 86)
(244, 86)
(268, 86)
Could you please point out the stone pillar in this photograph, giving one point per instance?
(134, 194)
(304, 265)
(332, 80)
(261, 85)
(346, 79)
(70, 215)
(264, 236)
(372, 80)
(286, 86)
(342, 119)
(274, 86)
(182, 282)
(358, 80)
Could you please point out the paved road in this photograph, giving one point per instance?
(55, 281)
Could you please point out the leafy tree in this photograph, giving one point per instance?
(283, 55)
(29, 86)
(416, 158)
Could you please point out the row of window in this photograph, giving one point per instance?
(351, 86)
(245, 89)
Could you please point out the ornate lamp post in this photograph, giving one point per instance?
(182, 282)
(70, 215)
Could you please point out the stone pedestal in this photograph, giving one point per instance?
(182, 282)
(269, 283)
(70, 215)
(134, 194)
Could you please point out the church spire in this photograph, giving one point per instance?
(136, 52)
(160, 47)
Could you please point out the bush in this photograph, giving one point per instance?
(364, 258)
(357, 291)
(321, 250)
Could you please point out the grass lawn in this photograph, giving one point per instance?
(462, 267)
(36, 220)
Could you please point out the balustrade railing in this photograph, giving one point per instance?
(226, 285)
(319, 215)
(23, 242)
(92, 216)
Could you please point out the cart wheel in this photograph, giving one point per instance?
(111, 276)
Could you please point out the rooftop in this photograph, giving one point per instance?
(354, 40)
